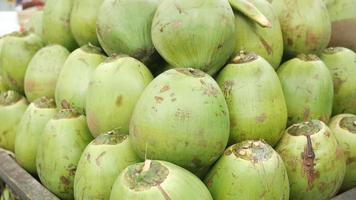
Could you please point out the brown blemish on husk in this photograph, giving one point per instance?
(44, 102)
(311, 38)
(97, 160)
(64, 180)
(308, 157)
(261, 118)
(348, 123)
(338, 82)
(65, 104)
(10, 97)
(244, 57)
(196, 73)
(266, 45)
(165, 88)
(119, 100)
(306, 114)
(158, 99)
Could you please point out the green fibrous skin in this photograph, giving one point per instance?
(305, 25)
(34, 24)
(124, 27)
(344, 128)
(186, 109)
(56, 23)
(308, 89)
(64, 139)
(74, 78)
(194, 34)
(343, 17)
(251, 37)
(341, 62)
(16, 53)
(83, 21)
(158, 180)
(113, 91)
(249, 170)
(43, 71)
(255, 99)
(30, 130)
(314, 161)
(101, 163)
(12, 108)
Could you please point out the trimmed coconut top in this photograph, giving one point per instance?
(10, 97)
(191, 72)
(114, 58)
(66, 114)
(44, 102)
(349, 123)
(89, 48)
(308, 57)
(110, 138)
(332, 50)
(252, 150)
(244, 57)
(143, 176)
(305, 128)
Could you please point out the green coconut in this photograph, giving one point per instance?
(306, 25)
(56, 23)
(12, 108)
(344, 128)
(29, 131)
(343, 20)
(308, 89)
(342, 65)
(63, 140)
(101, 162)
(16, 53)
(264, 41)
(255, 99)
(34, 24)
(124, 27)
(73, 80)
(113, 91)
(315, 162)
(249, 170)
(43, 71)
(83, 21)
(158, 180)
(194, 34)
(181, 117)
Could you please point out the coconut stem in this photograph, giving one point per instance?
(146, 166)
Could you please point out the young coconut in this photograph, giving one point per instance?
(249, 170)
(342, 65)
(255, 99)
(83, 21)
(34, 24)
(63, 140)
(30, 130)
(308, 89)
(343, 20)
(101, 163)
(56, 23)
(43, 71)
(181, 117)
(113, 91)
(124, 27)
(74, 78)
(315, 162)
(16, 52)
(12, 108)
(194, 33)
(344, 128)
(306, 25)
(158, 180)
(264, 41)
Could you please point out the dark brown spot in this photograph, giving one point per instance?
(88, 157)
(164, 88)
(266, 45)
(158, 99)
(65, 104)
(308, 157)
(64, 180)
(350, 160)
(119, 101)
(220, 46)
(311, 38)
(338, 84)
(196, 162)
(289, 41)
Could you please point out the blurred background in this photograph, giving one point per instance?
(15, 13)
